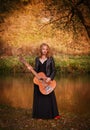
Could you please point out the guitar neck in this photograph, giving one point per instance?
(34, 73)
(29, 67)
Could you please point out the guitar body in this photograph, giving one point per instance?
(45, 88)
(39, 79)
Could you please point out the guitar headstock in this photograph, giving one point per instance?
(25, 63)
(21, 59)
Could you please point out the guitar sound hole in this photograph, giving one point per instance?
(41, 79)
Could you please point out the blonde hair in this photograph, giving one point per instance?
(48, 52)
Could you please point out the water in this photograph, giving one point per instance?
(72, 92)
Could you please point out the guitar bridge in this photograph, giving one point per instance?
(48, 89)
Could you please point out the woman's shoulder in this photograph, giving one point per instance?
(36, 58)
(51, 58)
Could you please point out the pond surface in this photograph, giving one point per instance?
(72, 92)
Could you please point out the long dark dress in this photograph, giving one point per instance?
(44, 106)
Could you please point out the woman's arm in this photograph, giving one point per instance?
(53, 69)
(36, 64)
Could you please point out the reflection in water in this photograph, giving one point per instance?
(72, 93)
(16, 91)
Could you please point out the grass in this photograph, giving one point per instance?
(73, 64)
(64, 64)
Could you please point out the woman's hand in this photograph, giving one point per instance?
(48, 79)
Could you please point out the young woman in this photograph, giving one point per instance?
(45, 106)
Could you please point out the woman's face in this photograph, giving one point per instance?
(44, 50)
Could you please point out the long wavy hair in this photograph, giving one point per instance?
(48, 52)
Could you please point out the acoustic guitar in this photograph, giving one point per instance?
(40, 79)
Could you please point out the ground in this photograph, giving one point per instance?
(20, 119)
